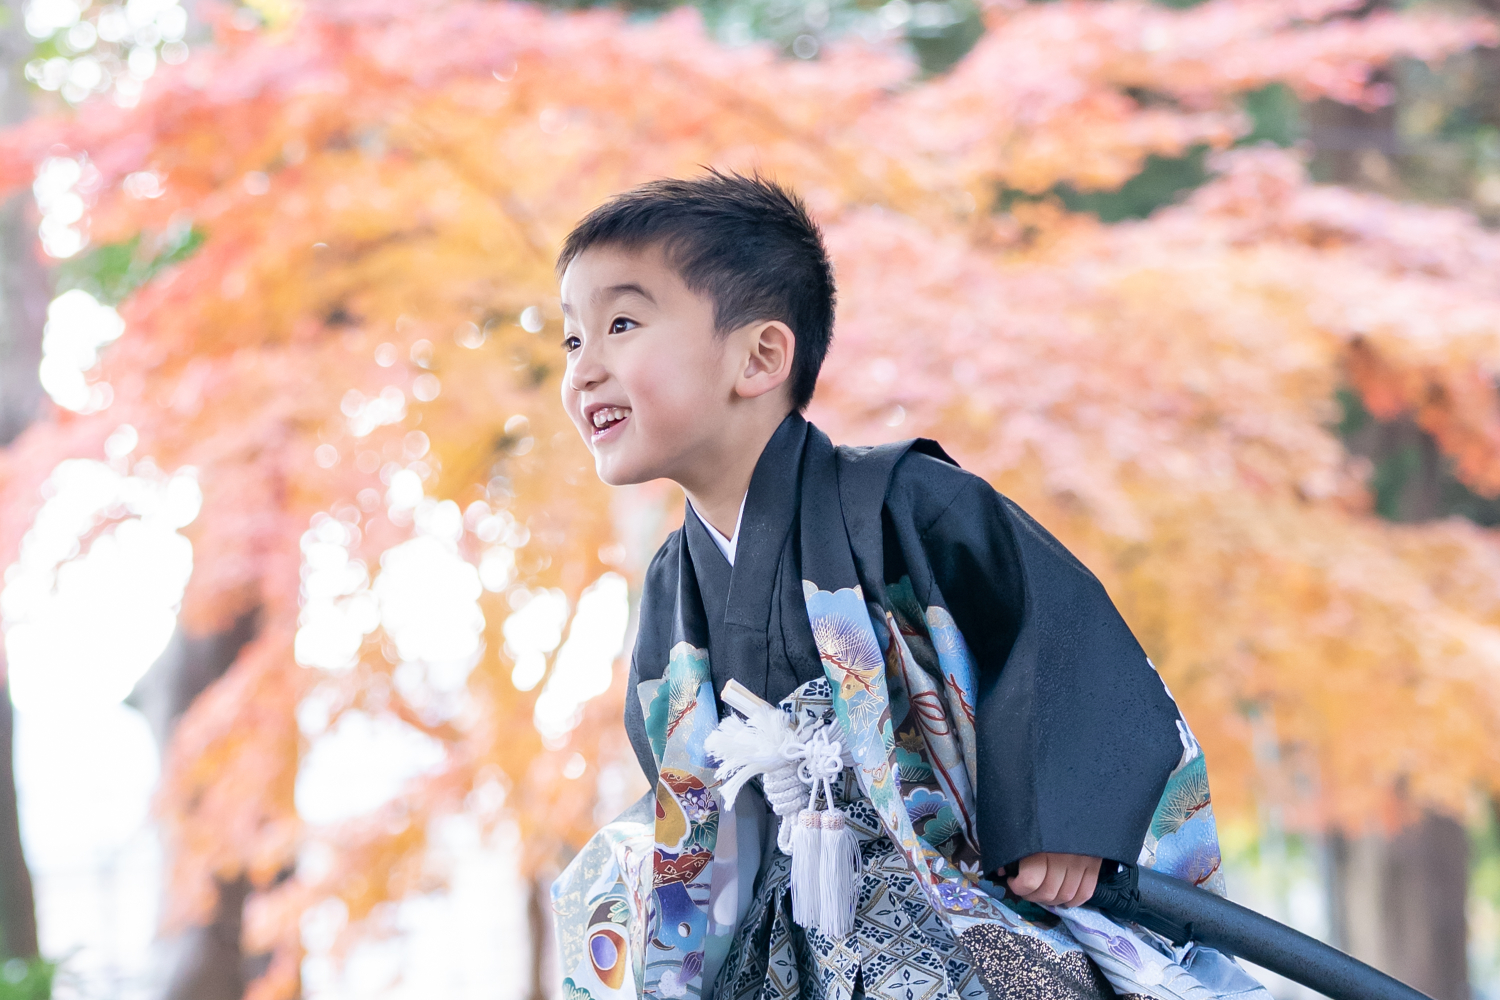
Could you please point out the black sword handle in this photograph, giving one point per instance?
(1181, 911)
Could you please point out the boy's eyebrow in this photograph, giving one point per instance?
(614, 292)
(629, 288)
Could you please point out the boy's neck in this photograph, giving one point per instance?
(718, 482)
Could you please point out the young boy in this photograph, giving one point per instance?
(934, 691)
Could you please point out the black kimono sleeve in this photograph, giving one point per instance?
(1076, 733)
(653, 639)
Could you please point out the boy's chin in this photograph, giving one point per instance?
(614, 472)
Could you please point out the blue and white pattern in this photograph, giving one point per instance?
(634, 908)
(937, 733)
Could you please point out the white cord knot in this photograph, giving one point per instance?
(821, 759)
(793, 761)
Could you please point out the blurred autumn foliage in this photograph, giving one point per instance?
(370, 196)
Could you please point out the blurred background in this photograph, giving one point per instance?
(315, 616)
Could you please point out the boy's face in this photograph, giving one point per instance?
(648, 383)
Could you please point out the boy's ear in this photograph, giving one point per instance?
(770, 346)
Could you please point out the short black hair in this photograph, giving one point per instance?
(746, 242)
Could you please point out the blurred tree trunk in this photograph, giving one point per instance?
(1350, 145)
(208, 962)
(539, 924)
(1399, 902)
(24, 288)
(17, 904)
(535, 915)
(184, 670)
(23, 308)
(202, 963)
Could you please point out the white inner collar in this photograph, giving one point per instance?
(726, 545)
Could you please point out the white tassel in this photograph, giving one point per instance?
(792, 762)
(806, 847)
(839, 868)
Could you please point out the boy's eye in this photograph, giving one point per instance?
(571, 344)
(621, 324)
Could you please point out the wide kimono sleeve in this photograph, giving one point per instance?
(1075, 731)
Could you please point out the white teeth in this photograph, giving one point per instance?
(609, 415)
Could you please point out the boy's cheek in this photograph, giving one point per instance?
(575, 413)
(579, 425)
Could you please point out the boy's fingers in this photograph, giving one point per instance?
(1056, 879)
(1047, 894)
(1072, 877)
(1082, 891)
(1087, 885)
(1029, 877)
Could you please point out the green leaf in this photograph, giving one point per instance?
(22, 979)
(112, 271)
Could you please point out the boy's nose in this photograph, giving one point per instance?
(586, 372)
(582, 379)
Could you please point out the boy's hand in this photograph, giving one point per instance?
(1056, 879)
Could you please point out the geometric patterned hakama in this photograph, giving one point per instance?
(901, 948)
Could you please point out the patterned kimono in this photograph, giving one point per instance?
(993, 704)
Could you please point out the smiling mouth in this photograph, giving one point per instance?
(607, 419)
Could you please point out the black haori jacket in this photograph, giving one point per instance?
(1075, 733)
